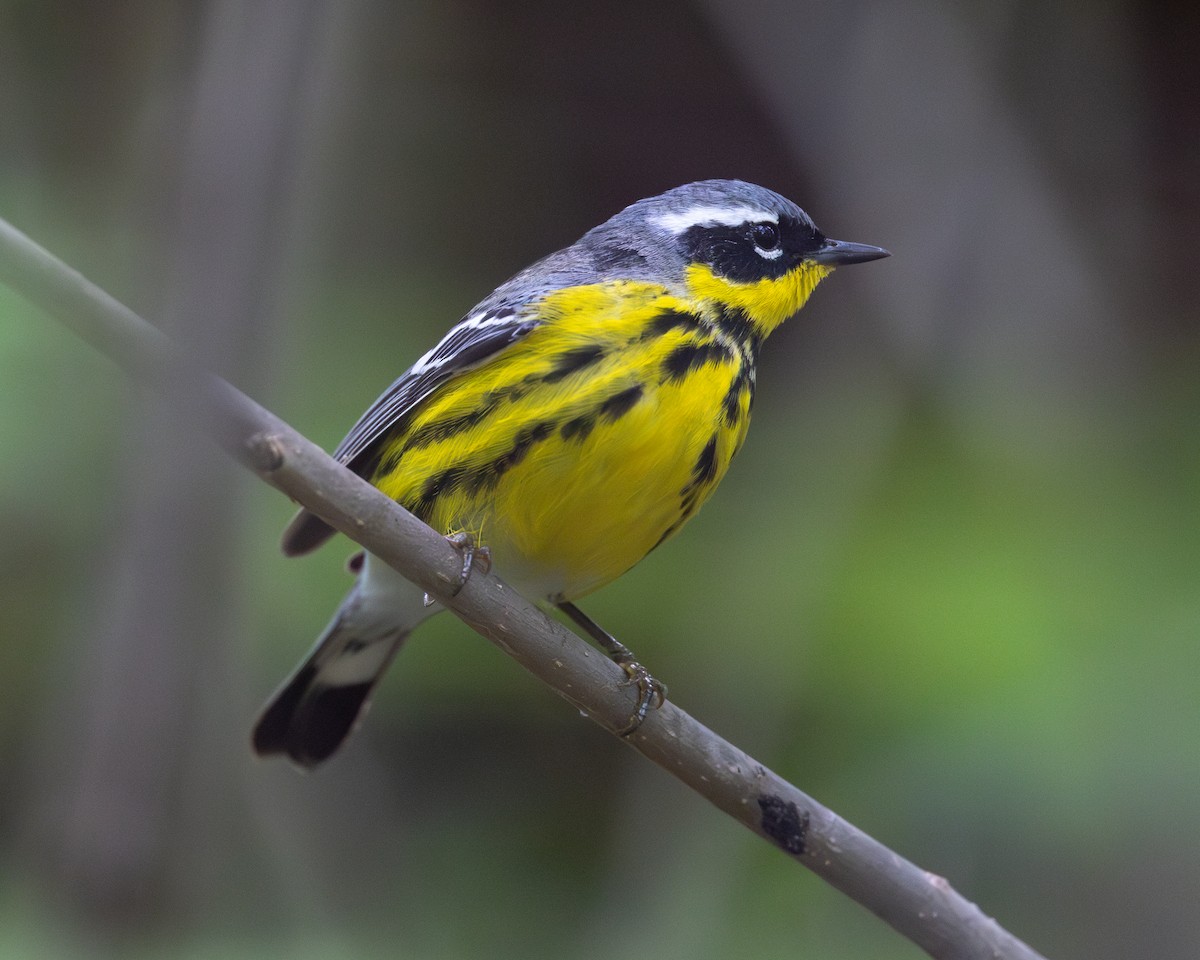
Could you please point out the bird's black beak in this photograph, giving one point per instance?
(836, 253)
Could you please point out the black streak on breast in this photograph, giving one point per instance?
(784, 823)
(572, 361)
(690, 356)
(621, 403)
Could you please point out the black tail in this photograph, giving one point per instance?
(322, 702)
(306, 532)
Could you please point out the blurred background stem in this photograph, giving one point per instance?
(121, 760)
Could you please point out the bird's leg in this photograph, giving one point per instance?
(649, 689)
(472, 554)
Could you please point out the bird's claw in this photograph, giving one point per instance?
(650, 691)
(472, 554)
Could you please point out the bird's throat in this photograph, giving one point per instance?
(766, 303)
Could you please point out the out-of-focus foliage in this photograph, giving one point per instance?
(950, 587)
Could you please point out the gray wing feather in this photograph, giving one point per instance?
(477, 338)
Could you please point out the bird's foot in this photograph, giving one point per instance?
(649, 689)
(473, 554)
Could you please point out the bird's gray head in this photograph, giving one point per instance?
(742, 232)
(727, 243)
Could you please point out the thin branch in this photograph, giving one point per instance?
(918, 904)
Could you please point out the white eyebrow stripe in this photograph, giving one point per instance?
(704, 215)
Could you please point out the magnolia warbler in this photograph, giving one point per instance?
(569, 424)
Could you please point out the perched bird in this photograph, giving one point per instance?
(569, 424)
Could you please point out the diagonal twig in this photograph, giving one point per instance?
(918, 904)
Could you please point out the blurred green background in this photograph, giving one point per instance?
(949, 588)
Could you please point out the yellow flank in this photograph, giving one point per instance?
(766, 302)
(575, 451)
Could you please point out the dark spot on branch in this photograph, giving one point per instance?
(783, 822)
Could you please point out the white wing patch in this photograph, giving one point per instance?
(469, 343)
(707, 215)
(445, 348)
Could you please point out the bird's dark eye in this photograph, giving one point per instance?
(765, 236)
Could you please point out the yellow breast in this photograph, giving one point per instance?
(577, 450)
(580, 511)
